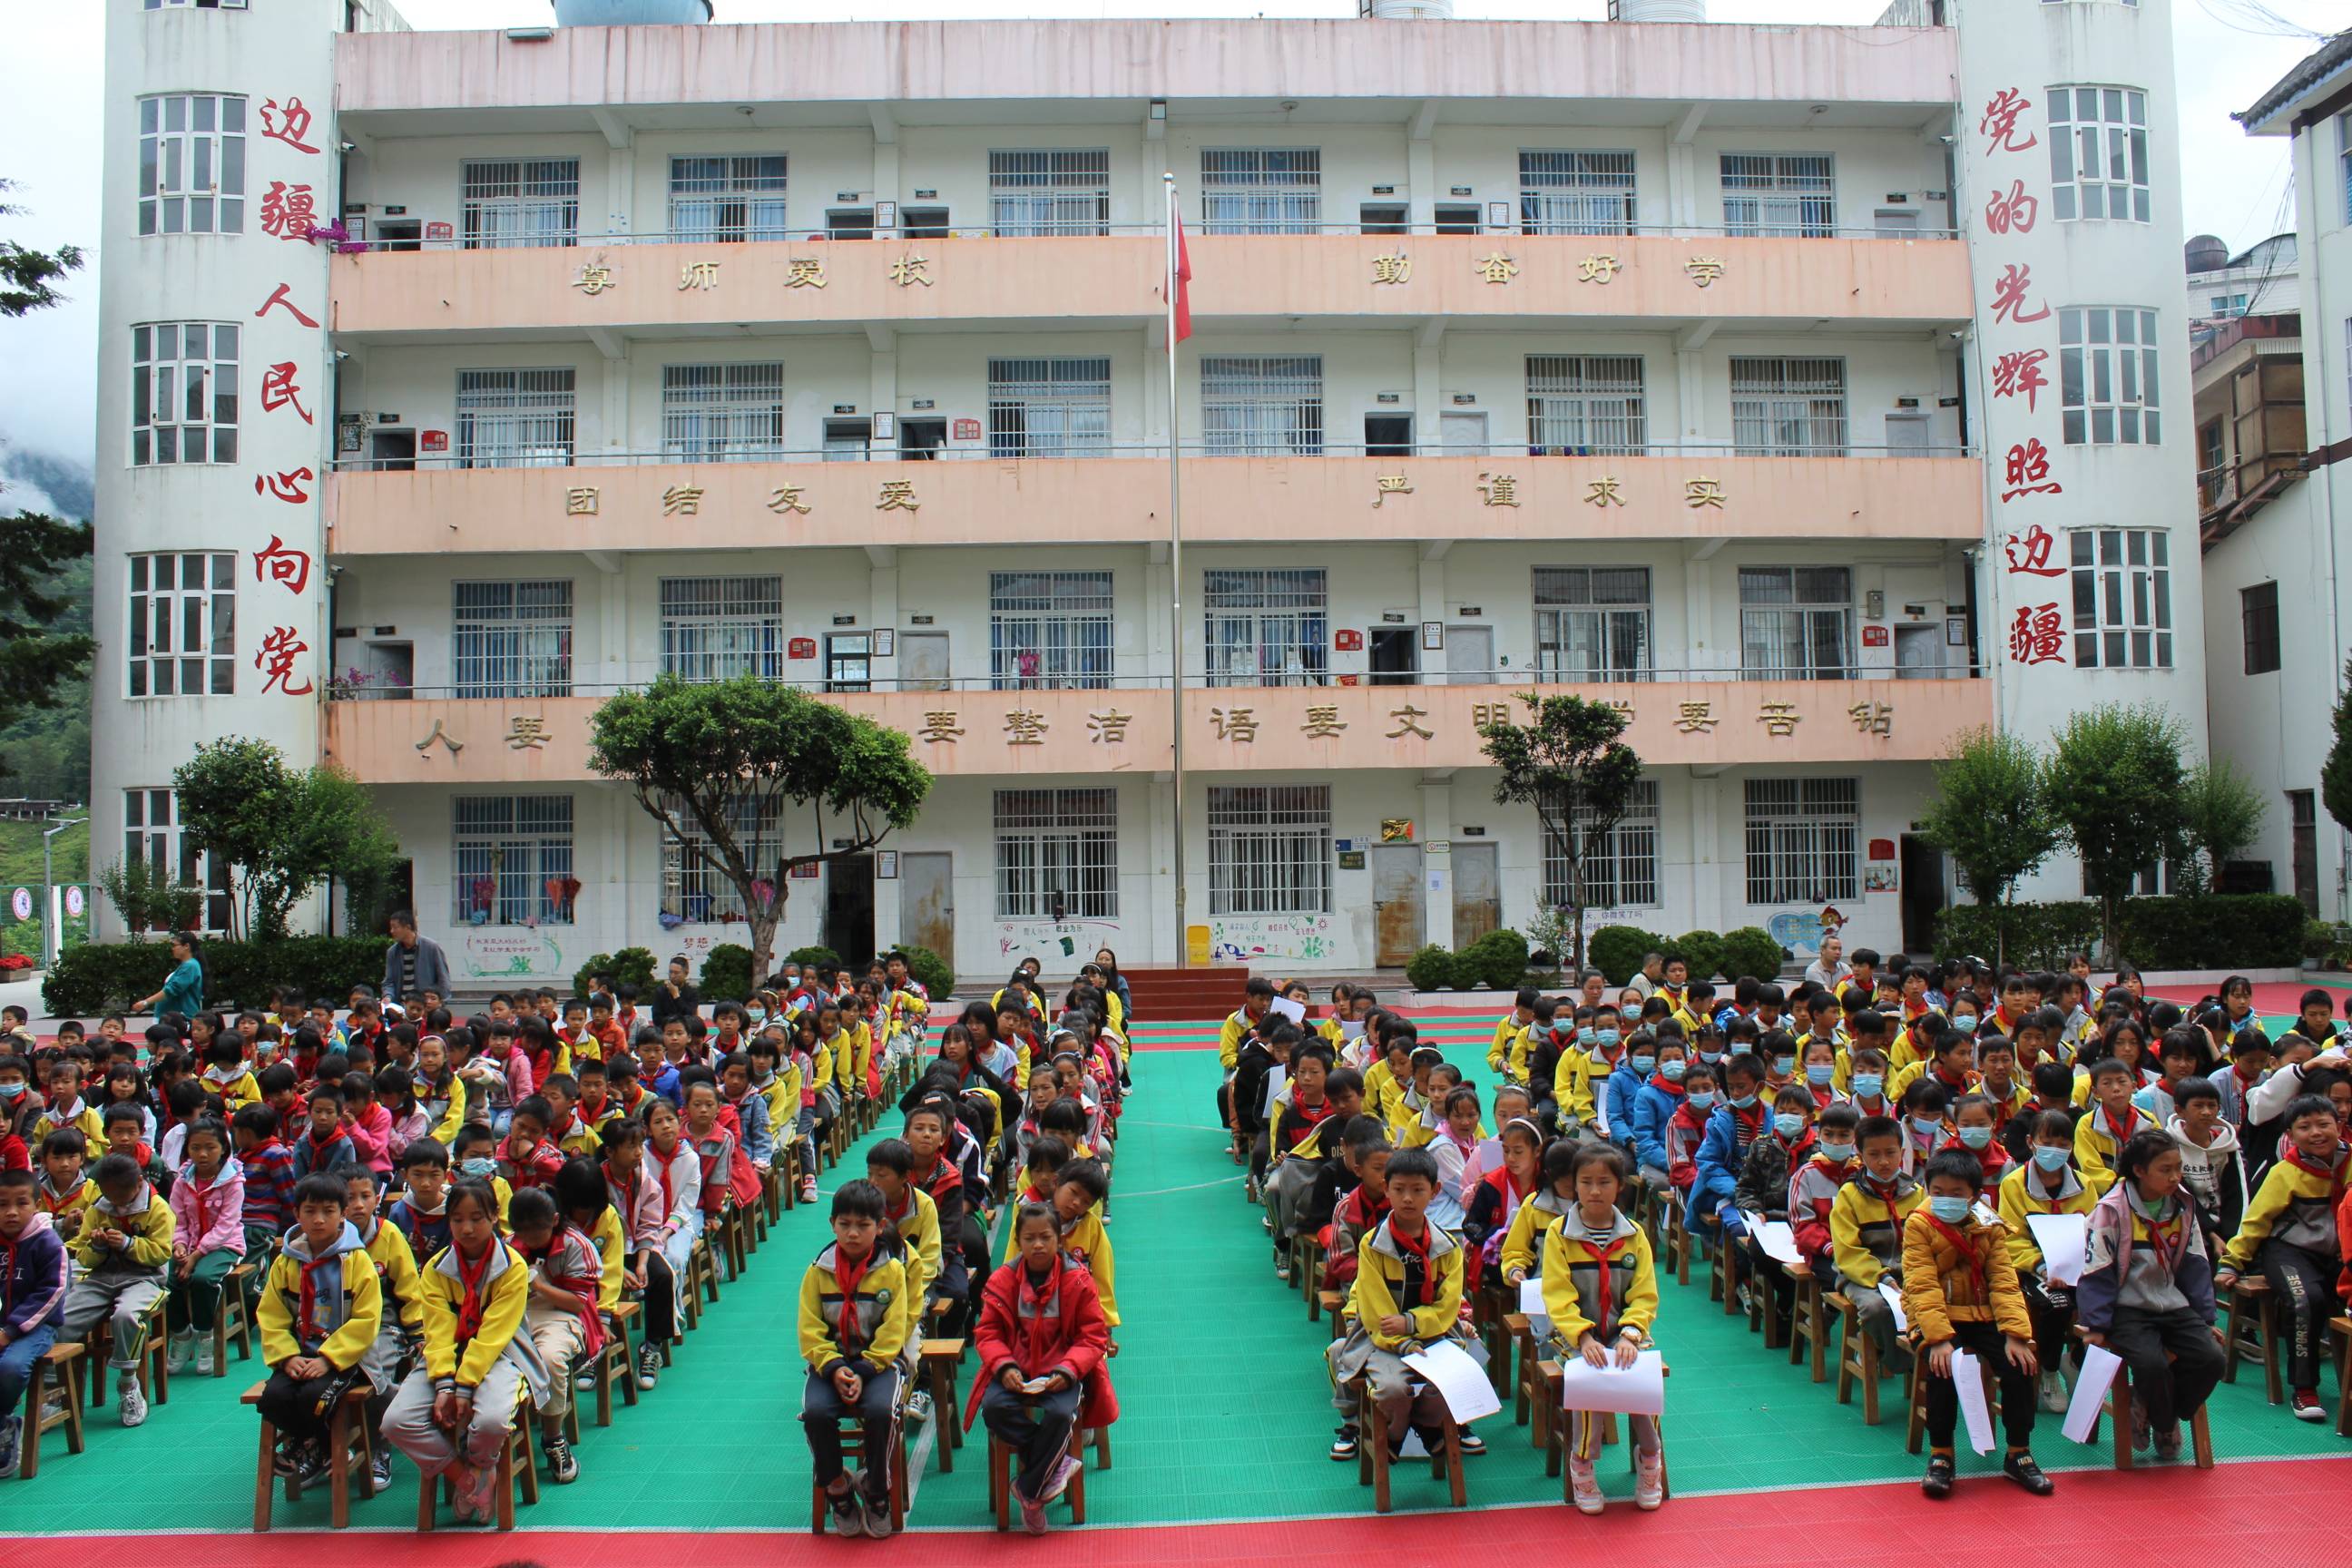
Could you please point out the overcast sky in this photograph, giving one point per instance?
(51, 98)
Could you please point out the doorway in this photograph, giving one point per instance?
(1477, 892)
(927, 903)
(1918, 652)
(1397, 922)
(848, 661)
(1469, 656)
(1396, 654)
(919, 440)
(1387, 434)
(1923, 896)
(399, 233)
(849, 910)
(2303, 827)
(392, 451)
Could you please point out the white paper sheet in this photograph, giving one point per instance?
(1293, 1010)
(1637, 1390)
(1894, 1294)
(1488, 1157)
(1968, 1377)
(2099, 1367)
(1459, 1380)
(2061, 1238)
(1351, 1029)
(1531, 1299)
(1778, 1241)
(1277, 1080)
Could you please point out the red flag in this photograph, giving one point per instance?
(1183, 284)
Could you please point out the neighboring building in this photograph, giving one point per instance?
(2277, 507)
(2261, 280)
(1739, 376)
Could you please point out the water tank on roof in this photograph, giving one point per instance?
(2206, 253)
(630, 13)
(1657, 10)
(1405, 10)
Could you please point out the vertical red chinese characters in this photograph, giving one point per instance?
(288, 339)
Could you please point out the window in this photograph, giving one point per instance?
(1593, 623)
(1779, 194)
(2098, 153)
(182, 393)
(183, 626)
(195, 5)
(713, 628)
(1056, 854)
(1048, 407)
(1576, 193)
(504, 851)
(1049, 630)
(1802, 834)
(2229, 305)
(1261, 190)
(152, 837)
(695, 885)
(1796, 622)
(731, 198)
(1788, 408)
(849, 661)
(522, 201)
(1062, 190)
(2123, 598)
(2106, 376)
(1267, 627)
(513, 640)
(723, 413)
(1262, 406)
(1578, 405)
(1621, 868)
(1269, 849)
(2258, 619)
(515, 419)
(192, 163)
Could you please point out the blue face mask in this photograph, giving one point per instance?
(1966, 1023)
(1840, 1153)
(1585, 1036)
(757, 1015)
(1642, 1064)
(1606, 1036)
(478, 1167)
(1951, 1211)
(1710, 1057)
(1675, 1070)
(1866, 1085)
(2052, 1161)
(1788, 1124)
(1743, 1100)
(1820, 1074)
(1702, 1098)
(12, 1091)
(1928, 1126)
(1783, 1066)
(1976, 1137)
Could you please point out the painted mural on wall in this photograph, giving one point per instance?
(1310, 938)
(1054, 943)
(1800, 931)
(511, 953)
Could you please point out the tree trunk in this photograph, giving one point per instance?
(763, 940)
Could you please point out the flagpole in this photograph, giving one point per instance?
(1175, 565)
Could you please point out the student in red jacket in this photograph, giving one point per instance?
(1042, 1338)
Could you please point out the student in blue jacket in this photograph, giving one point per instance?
(32, 1302)
(1737, 1122)
(1660, 1096)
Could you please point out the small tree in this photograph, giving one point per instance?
(150, 900)
(344, 839)
(1568, 763)
(1992, 814)
(280, 830)
(2336, 772)
(729, 758)
(2116, 787)
(2222, 813)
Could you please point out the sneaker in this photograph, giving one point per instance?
(1472, 1446)
(561, 1467)
(380, 1469)
(176, 1353)
(482, 1496)
(2140, 1426)
(2021, 1468)
(1033, 1514)
(648, 1365)
(311, 1465)
(2054, 1393)
(131, 1399)
(204, 1362)
(1649, 1480)
(12, 1445)
(461, 1499)
(1584, 1487)
(1282, 1269)
(1937, 1481)
(2306, 1406)
(877, 1517)
(1066, 1470)
(2168, 1442)
(808, 1189)
(1343, 1447)
(289, 1455)
(585, 1381)
(849, 1513)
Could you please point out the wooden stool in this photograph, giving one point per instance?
(937, 1365)
(1334, 1302)
(776, 1191)
(2252, 1335)
(1307, 1270)
(1808, 1336)
(853, 1456)
(1723, 1284)
(154, 1370)
(734, 1240)
(231, 1317)
(55, 1372)
(1857, 1356)
(515, 1474)
(1492, 1303)
(2116, 1408)
(1003, 1464)
(349, 1453)
(613, 1365)
(1678, 1244)
(1554, 1462)
(1914, 1422)
(1372, 1454)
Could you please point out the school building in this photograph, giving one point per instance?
(1802, 390)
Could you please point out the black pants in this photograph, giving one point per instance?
(2304, 1284)
(2173, 1360)
(1038, 1426)
(1982, 1341)
(661, 1298)
(963, 1276)
(2052, 1307)
(291, 1405)
(821, 1413)
(1760, 1272)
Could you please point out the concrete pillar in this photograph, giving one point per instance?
(1437, 871)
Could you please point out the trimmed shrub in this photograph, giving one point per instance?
(1618, 950)
(2218, 930)
(932, 970)
(1497, 962)
(630, 966)
(2035, 936)
(1750, 950)
(104, 977)
(1702, 949)
(804, 956)
(1431, 969)
(726, 972)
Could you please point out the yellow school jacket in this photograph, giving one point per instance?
(613, 1255)
(279, 1312)
(884, 1308)
(821, 1066)
(146, 1226)
(1229, 1039)
(1585, 1075)
(1379, 1281)
(85, 1121)
(1506, 1029)
(1089, 1243)
(918, 1230)
(2022, 1196)
(2297, 1205)
(1382, 1091)
(395, 1268)
(236, 1094)
(2097, 1149)
(1571, 1316)
(453, 1116)
(782, 1092)
(506, 1291)
(1530, 1231)
(1856, 1208)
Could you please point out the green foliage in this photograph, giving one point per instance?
(100, 977)
(1496, 961)
(280, 830)
(1752, 951)
(2032, 936)
(149, 903)
(814, 954)
(1618, 950)
(1431, 969)
(20, 867)
(726, 972)
(2222, 813)
(2335, 770)
(41, 662)
(2114, 783)
(937, 978)
(2327, 944)
(630, 966)
(29, 279)
(1703, 951)
(2215, 930)
(44, 751)
(1569, 765)
(1550, 934)
(1991, 813)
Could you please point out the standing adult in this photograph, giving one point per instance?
(183, 990)
(414, 964)
(1647, 978)
(1830, 967)
(676, 998)
(1115, 981)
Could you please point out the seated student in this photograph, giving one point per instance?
(2147, 1290)
(1818, 1069)
(2054, 1090)
(1974, 1116)
(1407, 1294)
(387, 1248)
(228, 1074)
(854, 1318)
(911, 1221)
(2100, 1136)
(1686, 1130)
(1600, 1293)
(567, 1130)
(1511, 1031)
(421, 1213)
(1302, 1108)
(1265, 1050)
(1960, 1292)
(123, 1247)
(1865, 1083)
(1763, 1188)
(1661, 1097)
(757, 1140)
(1925, 1128)
(1365, 1152)
(1495, 1201)
(2183, 1052)
(2250, 1058)
(328, 1142)
(2044, 1182)
(452, 1414)
(1867, 1222)
(66, 1106)
(2289, 1232)
(440, 1092)
(321, 1312)
(528, 1156)
(208, 1240)
(1454, 1148)
(1950, 1061)
(1582, 1081)
(1080, 1190)
(2212, 1167)
(1434, 1082)
(928, 1127)
(1731, 1127)
(1532, 1226)
(641, 1206)
(124, 1124)
(1814, 1188)
(1626, 1085)
(560, 1313)
(1043, 1342)
(268, 1169)
(473, 1158)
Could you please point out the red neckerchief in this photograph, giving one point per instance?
(2121, 1135)
(1604, 1258)
(1836, 1168)
(1960, 1083)
(629, 1188)
(1959, 1240)
(1753, 1119)
(849, 1275)
(670, 1187)
(308, 1317)
(2333, 1172)
(942, 1177)
(318, 1148)
(1666, 1086)
(197, 1188)
(1886, 1194)
(1822, 1098)
(1416, 1248)
(471, 1280)
(2167, 1239)
(594, 1113)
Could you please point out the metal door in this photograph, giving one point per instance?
(1469, 656)
(1397, 922)
(1477, 892)
(1918, 652)
(922, 661)
(927, 903)
(1462, 435)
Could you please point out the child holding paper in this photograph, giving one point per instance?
(1042, 1341)
(2147, 1290)
(2045, 1183)
(2289, 1232)
(1407, 1295)
(1866, 1221)
(1601, 1295)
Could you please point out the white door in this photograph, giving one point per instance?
(1463, 435)
(1906, 434)
(1918, 652)
(1469, 656)
(1397, 922)
(922, 661)
(927, 903)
